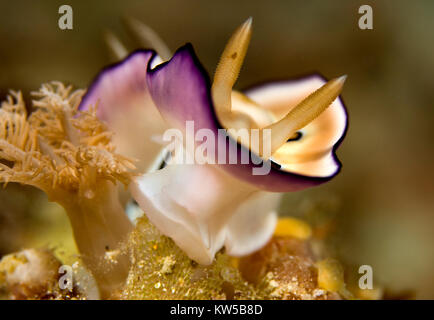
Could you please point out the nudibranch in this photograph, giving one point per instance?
(204, 207)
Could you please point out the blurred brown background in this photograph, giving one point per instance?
(380, 209)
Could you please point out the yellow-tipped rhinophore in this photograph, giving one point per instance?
(147, 37)
(305, 112)
(115, 46)
(229, 67)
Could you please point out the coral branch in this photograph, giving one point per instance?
(69, 155)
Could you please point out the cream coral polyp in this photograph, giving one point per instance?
(69, 155)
